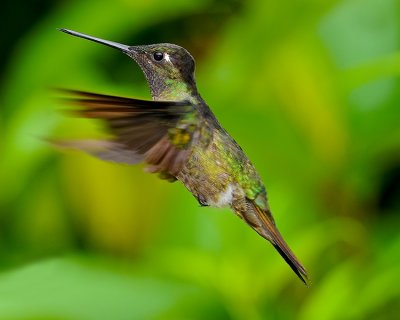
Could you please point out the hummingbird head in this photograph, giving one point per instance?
(168, 68)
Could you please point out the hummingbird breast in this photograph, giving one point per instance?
(217, 170)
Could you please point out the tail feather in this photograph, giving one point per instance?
(293, 264)
(267, 229)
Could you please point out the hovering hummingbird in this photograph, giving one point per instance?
(177, 136)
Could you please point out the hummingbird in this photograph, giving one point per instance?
(177, 136)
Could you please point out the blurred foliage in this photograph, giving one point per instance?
(308, 88)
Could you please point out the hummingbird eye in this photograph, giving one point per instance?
(158, 56)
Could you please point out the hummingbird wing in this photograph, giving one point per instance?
(156, 132)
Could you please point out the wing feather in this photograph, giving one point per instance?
(145, 130)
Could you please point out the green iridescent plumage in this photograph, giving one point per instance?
(179, 138)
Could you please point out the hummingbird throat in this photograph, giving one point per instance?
(171, 89)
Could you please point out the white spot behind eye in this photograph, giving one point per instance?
(167, 57)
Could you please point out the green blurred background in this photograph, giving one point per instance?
(309, 89)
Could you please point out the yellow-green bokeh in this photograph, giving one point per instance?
(308, 88)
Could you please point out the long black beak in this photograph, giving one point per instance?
(112, 44)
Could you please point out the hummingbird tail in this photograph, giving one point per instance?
(263, 222)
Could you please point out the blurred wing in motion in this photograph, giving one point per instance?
(156, 132)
